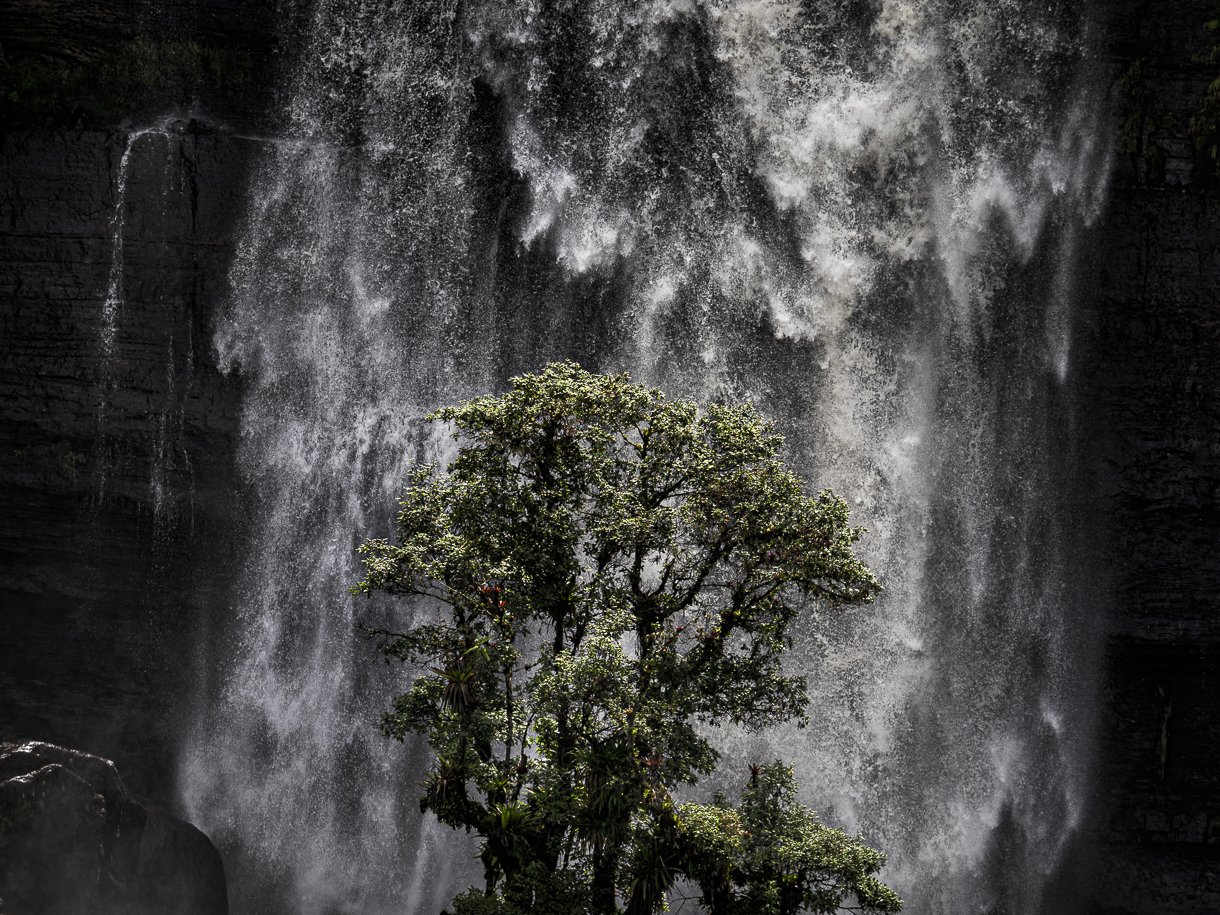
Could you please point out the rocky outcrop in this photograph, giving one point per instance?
(73, 840)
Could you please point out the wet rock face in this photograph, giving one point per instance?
(1154, 394)
(117, 501)
(72, 839)
(116, 472)
(65, 30)
(75, 31)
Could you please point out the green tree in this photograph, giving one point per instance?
(599, 574)
(771, 855)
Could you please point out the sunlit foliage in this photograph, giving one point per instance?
(598, 576)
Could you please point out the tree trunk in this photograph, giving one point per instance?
(605, 864)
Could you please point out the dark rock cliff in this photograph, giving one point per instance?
(117, 482)
(1155, 397)
(117, 486)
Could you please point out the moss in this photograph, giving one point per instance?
(1205, 124)
(52, 463)
(126, 82)
(1144, 124)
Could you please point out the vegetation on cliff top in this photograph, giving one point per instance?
(1148, 132)
(127, 82)
(1205, 124)
(1144, 126)
(598, 577)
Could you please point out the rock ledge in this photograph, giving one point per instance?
(72, 840)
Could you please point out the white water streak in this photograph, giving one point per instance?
(840, 211)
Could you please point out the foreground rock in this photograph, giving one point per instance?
(72, 840)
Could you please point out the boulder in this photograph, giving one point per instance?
(73, 840)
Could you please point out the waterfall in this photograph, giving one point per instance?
(155, 152)
(863, 215)
(118, 222)
(112, 304)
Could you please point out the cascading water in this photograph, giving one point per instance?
(863, 215)
(155, 152)
(112, 304)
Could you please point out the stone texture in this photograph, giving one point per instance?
(1155, 403)
(75, 31)
(116, 472)
(66, 30)
(73, 840)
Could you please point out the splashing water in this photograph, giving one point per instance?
(862, 215)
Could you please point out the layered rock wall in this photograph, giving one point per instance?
(117, 491)
(1155, 398)
(116, 473)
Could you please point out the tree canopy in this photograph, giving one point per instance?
(600, 574)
